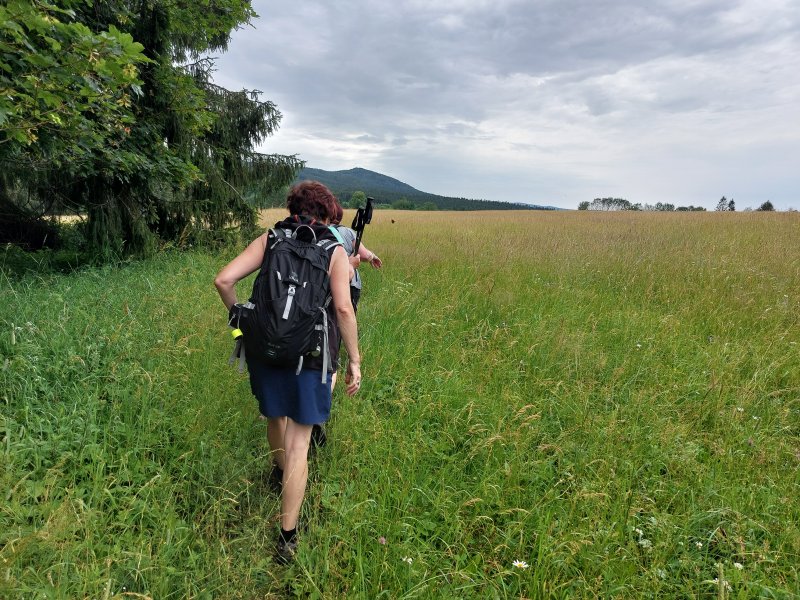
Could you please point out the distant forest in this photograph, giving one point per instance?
(390, 191)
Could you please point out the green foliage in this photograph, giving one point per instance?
(610, 204)
(269, 199)
(766, 206)
(66, 250)
(657, 207)
(183, 159)
(66, 91)
(66, 107)
(403, 204)
(622, 204)
(358, 199)
(726, 205)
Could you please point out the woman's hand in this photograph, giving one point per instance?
(369, 256)
(353, 377)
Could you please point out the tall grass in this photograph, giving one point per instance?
(613, 399)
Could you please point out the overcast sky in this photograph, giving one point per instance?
(540, 101)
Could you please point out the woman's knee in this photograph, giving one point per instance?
(277, 422)
(298, 438)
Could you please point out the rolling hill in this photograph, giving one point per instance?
(386, 190)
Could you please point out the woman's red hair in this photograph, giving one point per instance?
(339, 214)
(312, 199)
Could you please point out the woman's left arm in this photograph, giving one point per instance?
(240, 267)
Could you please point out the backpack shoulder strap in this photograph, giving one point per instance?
(277, 234)
(328, 245)
(336, 234)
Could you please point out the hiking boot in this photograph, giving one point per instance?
(318, 437)
(285, 551)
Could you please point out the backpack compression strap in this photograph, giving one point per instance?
(325, 354)
(326, 245)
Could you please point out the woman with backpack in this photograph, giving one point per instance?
(347, 237)
(293, 398)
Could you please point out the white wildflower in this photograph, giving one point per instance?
(639, 531)
(725, 583)
(408, 559)
(520, 564)
(739, 409)
(699, 544)
(645, 543)
(739, 566)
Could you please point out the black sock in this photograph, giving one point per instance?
(288, 536)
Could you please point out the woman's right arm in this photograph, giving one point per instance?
(240, 267)
(365, 254)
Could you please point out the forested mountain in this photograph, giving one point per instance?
(386, 190)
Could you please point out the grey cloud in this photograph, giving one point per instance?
(415, 83)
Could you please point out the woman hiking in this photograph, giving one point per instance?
(293, 400)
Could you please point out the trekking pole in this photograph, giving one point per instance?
(361, 220)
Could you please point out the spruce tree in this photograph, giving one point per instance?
(186, 158)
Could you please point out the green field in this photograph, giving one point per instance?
(612, 398)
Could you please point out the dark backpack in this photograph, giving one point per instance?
(286, 317)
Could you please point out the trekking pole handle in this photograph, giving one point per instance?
(360, 221)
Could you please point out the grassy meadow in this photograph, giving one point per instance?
(555, 405)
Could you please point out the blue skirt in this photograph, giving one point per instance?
(281, 393)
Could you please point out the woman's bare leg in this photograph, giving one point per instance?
(295, 472)
(276, 434)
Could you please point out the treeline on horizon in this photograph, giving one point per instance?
(612, 204)
(425, 201)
